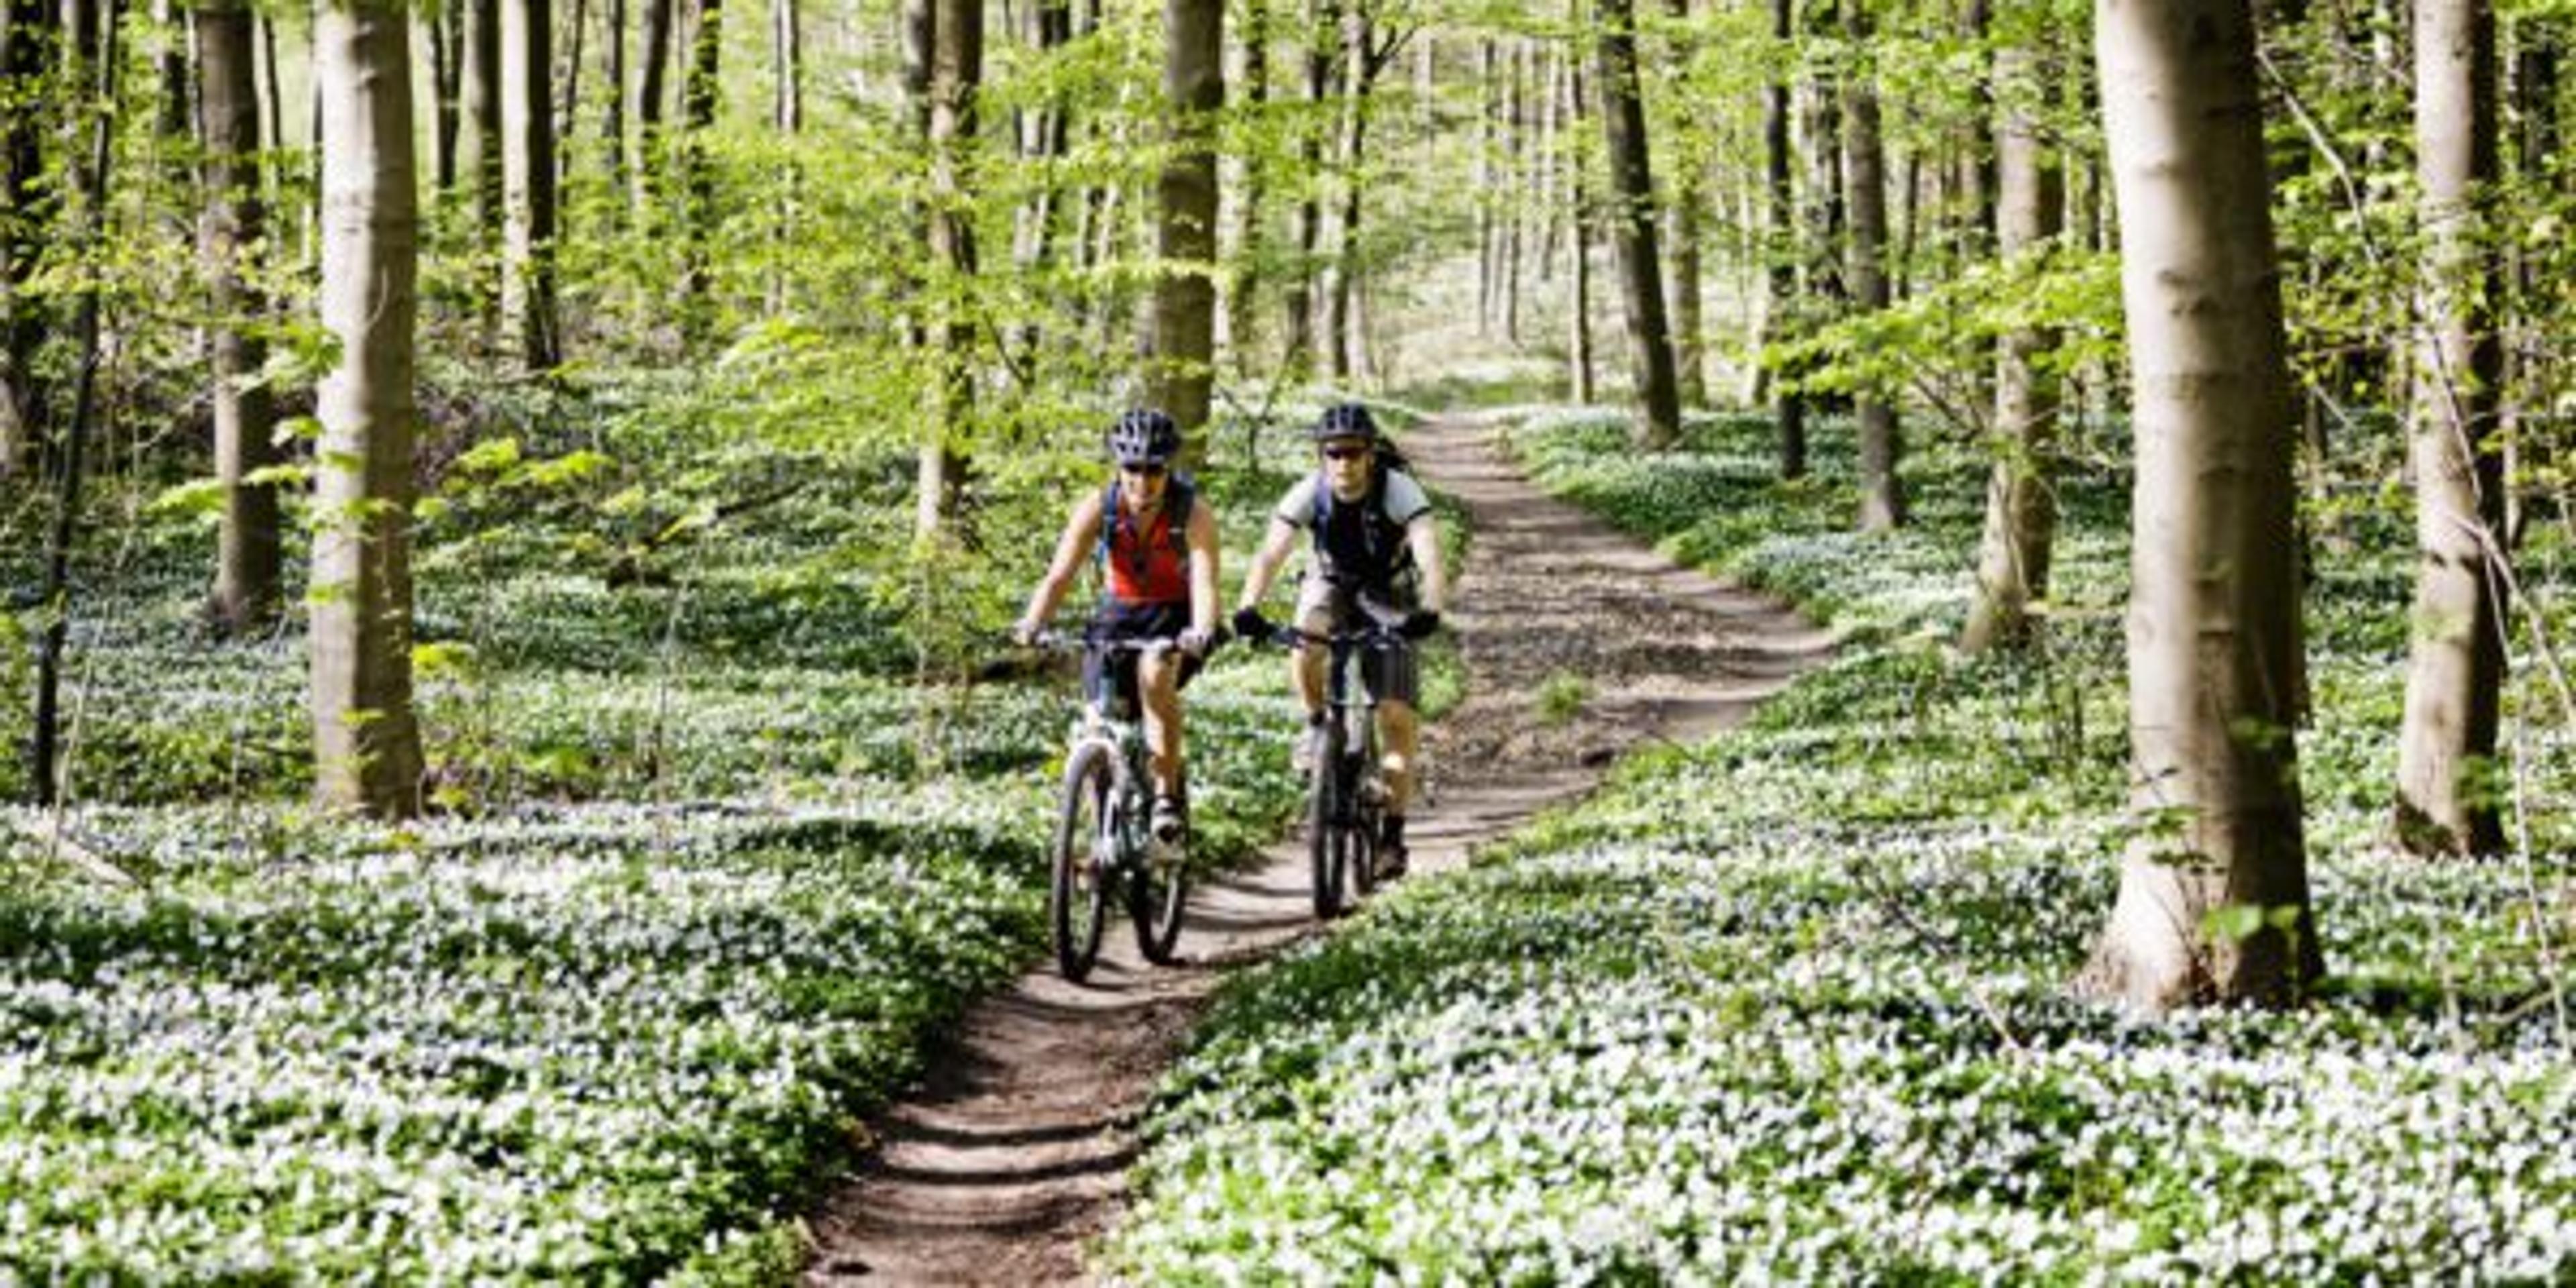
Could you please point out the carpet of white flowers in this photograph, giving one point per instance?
(1791, 1006)
(707, 867)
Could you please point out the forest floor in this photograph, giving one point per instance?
(1010, 1157)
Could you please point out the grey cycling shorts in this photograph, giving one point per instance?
(1387, 667)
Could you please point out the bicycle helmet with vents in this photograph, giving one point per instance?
(1144, 436)
(1345, 420)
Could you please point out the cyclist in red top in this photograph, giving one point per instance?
(1156, 546)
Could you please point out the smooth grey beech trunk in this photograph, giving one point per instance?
(2021, 513)
(1683, 216)
(366, 739)
(1322, 39)
(528, 180)
(956, 78)
(2455, 663)
(1181, 364)
(1631, 212)
(653, 70)
(479, 161)
(2213, 623)
(232, 226)
(1580, 375)
(1882, 495)
(1251, 228)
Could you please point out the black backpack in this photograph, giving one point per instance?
(1383, 550)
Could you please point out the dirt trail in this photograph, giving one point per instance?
(1010, 1156)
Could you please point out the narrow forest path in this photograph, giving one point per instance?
(1011, 1155)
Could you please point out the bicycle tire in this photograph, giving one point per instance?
(1324, 836)
(1155, 902)
(1365, 813)
(1077, 893)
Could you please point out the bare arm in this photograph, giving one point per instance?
(1081, 530)
(1265, 565)
(1422, 537)
(1203, 568)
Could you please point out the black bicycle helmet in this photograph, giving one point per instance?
(1144, 436)
(1344, 420)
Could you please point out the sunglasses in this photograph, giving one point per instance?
(1345, 453)
(1149, 470)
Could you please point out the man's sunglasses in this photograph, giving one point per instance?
(1149, 469)
(1345, 453)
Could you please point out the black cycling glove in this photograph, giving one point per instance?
(1250, 625)
(1419, 624)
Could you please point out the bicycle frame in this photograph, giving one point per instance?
(1108, 742)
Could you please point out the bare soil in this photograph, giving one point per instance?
(1009, 1158)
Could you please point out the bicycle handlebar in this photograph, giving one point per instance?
(1084, 641)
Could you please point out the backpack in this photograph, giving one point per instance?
(1180, 494)
(1378, 533)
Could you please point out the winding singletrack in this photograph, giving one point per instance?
(1010, 1156)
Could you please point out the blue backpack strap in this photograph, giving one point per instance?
(1179, 496)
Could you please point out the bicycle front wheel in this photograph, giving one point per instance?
(1157, 887)
(1327, 837)
(1077, 897)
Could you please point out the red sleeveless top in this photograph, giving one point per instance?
(1146, 564)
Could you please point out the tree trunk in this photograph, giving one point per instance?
(1579, 216)
(247, 555)
(444, 28)
(90, 64)
(1632, 226)
(2213, 900)
(1251, 233)
(2021, 517)
(25, 43)
(1781, 326)
(660, 16)
(1519, 169)
(1323, 28)
(956, 77)
(612, 125)
(1043, 136)
(1882, 494)
(479, 147)
(2455, 667)
(1344, 341)
(1184, 336)
(698, 94)
(1690, 324)
(528, 170)
(1488, 146)
(366, 741)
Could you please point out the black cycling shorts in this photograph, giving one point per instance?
(1123, 621)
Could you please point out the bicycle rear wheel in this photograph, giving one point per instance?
(1077, 897)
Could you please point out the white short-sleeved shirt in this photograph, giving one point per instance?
(1403, 500)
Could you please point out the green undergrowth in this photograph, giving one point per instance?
(716, 846)
(1790, 1005)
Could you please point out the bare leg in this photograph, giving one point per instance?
(1306, 666)
(1158, 676)
(1397, 746)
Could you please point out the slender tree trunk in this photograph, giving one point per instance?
(26, 45)
(247, 544)
(1520, 169)
(1690, 323)
(956, 77)
(1346, 344)
(2456, 664)
(1555, 160)
(445, 29)
(479, 147)
(1251, 231)
(366, 740)
(90, 64)
(170, 62)
(1184, 334)
(2529, 376)
(1488, 140)
(660, 16)
(1790, 406)
(1632, 226)
(1978, 159)
(1323, 27)
(1580, 219)
(2214, 648)
(612, 124)
(528, 177)
(1043, 137)
(1882, 494)
(698, 95)
(272, 97)
(2021, 516)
